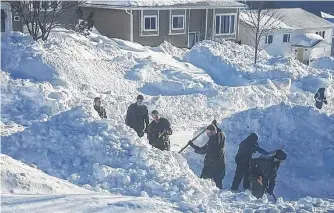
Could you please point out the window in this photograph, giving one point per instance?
(269, 39)
(16, 18)
(286, 38)
(46, 5)
(321, 33)
(150, 23)
(225, 24)
(177, 22)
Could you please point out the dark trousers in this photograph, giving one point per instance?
(216, 174)
(241, 173)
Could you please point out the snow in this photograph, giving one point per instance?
(306, 40)
(326, 15)
(148, 3)
(324, 63)
(266, 21)
(19, 178)
(50, 122)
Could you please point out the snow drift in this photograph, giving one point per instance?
(308, 139)
(19, 178)
(64, 136)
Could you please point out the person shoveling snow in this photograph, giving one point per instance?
(264, 172)
(320, 98)
(137, 116)
(158, 132)
(214, 161)
(246, 148)
(97, 106)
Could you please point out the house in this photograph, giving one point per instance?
(10, 20)
(329, 18)
(297, 33)
(180, 22)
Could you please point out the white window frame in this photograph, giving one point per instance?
(173, 16)
(289, 37)
(156, 23)
(49, 7)
(267, 39)
(225, 14)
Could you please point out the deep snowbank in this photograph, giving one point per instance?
(230, 64)
(104, 154)
(19, 178)
(74, 146)
(308, 139)
(324, 63)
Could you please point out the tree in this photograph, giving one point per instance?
(41, 17)
(261, 22)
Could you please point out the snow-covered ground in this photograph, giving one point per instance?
(47, 90)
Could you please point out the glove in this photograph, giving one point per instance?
(190, 143)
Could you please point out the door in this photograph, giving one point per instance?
(300, 54)
(193, 38)
(3, 20)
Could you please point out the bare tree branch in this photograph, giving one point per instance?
(41, 17)
(262, 22)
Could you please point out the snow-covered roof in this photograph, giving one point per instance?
(290, 18)
(306, 40)
(300, 19)
(163, 3)
(326, 15)
(266, 22)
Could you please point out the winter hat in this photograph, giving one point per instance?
(140, 97)
(96, 99)
(155, 112)
(211, 127)
(280, 155)
(253, 137)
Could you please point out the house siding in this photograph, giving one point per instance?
(164, 26)
(197, 22)
(111, 23)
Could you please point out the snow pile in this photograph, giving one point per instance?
(148, 3)
(324, 63)
(74, 146)
(306, 40)
(19, 178)
(168, 48)
(24, 102)
(230, 64)
(308, 139)
(64, 136)
(267, 20)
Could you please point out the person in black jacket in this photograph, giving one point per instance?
(320, 98)
(158, 132)
(264, 172)
(214, 161)
(246, 148)
(100, 110)
(137, 116)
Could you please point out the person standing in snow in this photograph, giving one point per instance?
(99, 108)
(137, 116)
(246, 148)
(214, 160)
(264, 172)
(158, 132)
(320, 98)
